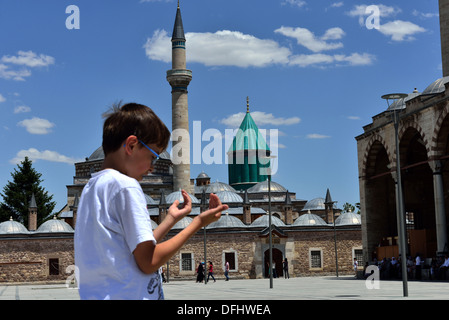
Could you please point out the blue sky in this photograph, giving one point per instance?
(313, 70)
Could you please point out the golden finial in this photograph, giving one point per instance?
(247, 104)
(178, 4)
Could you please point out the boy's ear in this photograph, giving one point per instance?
(130, 143)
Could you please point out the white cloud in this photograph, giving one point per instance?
(25, 59)
(17, 75)
(233, 48)
(222, 48)
(428, 15)
(400, 30)
(317, 136)
(46, 155)
(260, 118)
(295, 3)
(384, 12)
(2, 98)
(22, 109)
(337, 4)
(37, 125)
(29, 59)
(320, 59)
(307, 39)
(353, 117)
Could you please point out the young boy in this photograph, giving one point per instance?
(116, 252)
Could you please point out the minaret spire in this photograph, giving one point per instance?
(179, 78)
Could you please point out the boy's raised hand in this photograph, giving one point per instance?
(176, 213)
(214, 212)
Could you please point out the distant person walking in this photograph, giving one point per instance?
(227, 270)
(211, 271)
(285, 268)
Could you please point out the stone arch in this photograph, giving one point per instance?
(404, 134)
(374, 146)
(440, 135)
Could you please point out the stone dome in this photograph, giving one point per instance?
(314, 204)
(262, 187)
(263, 221)
(348, 218)
(54, 226)
(229, 197)
(401, 103)
(150, 201)
(438, 86)
(203, 175)
(177, 195)
(216, 187)
(181, 224)
(12, 227)
(309, 219)
(154, 225)
(99, 155)
(227, 221)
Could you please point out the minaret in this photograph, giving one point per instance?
(32, 214)
(444, 33)
(179, 78)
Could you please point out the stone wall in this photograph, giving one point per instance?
(28, 260)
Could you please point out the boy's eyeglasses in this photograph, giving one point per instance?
(153, 162)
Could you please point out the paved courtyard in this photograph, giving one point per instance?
(312, 288)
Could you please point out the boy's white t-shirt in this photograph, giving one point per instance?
(112, 219)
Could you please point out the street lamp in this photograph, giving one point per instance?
(203, 207)
(395, 109)
(270, 258)
(330, 206)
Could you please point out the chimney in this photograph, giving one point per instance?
(444, 34)
(32, 214)
(246, 209)
(288, 209)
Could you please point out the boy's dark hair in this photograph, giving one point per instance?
(133, 119)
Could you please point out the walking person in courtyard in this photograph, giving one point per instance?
(211, 271)
(226, 273)
(356, 264)
(285, 268)
(117, 253)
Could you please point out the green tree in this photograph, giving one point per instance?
(348, 207)
(17, 195)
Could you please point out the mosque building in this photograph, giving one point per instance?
(308, 234)
(423, 139)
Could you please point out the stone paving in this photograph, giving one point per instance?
(303, 288)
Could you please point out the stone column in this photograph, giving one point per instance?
(440, 211)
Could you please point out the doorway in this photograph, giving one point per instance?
(277, 258)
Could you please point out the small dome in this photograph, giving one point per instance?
(203, 175)
(154, 225)
(263, 187)
(54, 226)
(12, 227)
(309, 219)
(216, 187)
(348, 218)
(401, 103)
(438, 86)
(181, 224)
(227, 221)
(150, 201)
(177, 195)
(263, 221)
(229, 197)
(314, 204)
(97, 155)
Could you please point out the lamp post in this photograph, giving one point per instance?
(399, 197)
(203, 208)
(329, 204)
(270, 237)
